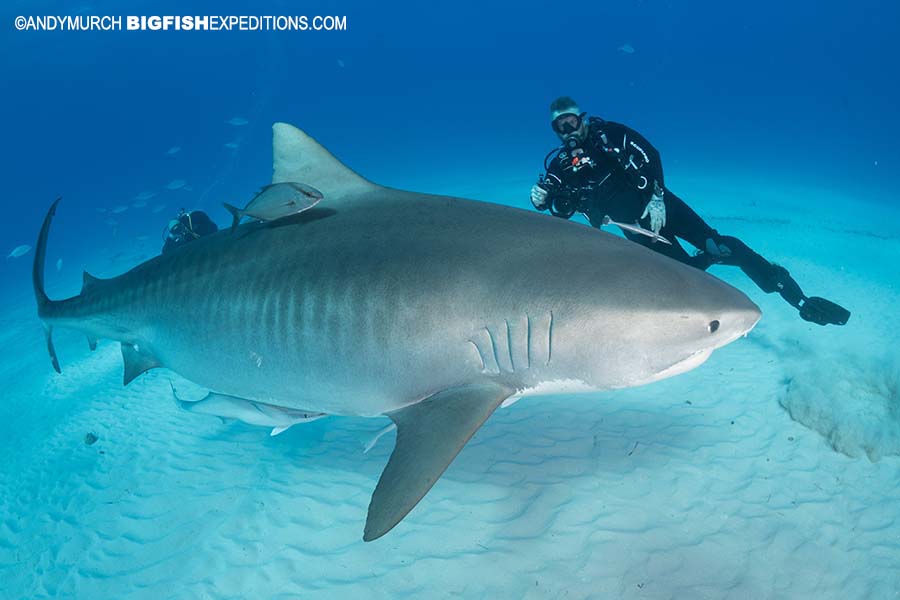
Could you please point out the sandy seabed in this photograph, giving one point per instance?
(701, 486)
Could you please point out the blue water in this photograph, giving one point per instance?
(803, 91)
(447, 100)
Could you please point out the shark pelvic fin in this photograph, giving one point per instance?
(137, 361)
(298, 157)
(429, 436)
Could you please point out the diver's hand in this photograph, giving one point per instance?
(656, 209)
(539, 197)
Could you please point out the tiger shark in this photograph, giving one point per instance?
(431, 310)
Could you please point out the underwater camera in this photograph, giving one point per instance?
(566, 202)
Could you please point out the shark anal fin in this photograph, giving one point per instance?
(429, 436)
(137, 361)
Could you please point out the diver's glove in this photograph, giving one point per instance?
(656, 209)
(539, 196)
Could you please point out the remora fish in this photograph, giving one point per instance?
(252, 413)
(430, 310)
(275, 201)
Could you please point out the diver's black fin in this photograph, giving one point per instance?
(236, 215)
(823, 312)
(430, 434)
(137, 361)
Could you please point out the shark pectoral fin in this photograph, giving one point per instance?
(92, 342)
(137, 361)
(275, 431)
(429, 436)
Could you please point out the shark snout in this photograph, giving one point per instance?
(734, 321)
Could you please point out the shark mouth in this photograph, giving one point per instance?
(691, 362)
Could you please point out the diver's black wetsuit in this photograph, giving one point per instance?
(615, 176)
(187, 227)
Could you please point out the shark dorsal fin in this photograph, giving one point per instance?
(88, 281)
(298, 157)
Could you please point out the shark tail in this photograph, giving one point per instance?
(44, 303)
(236, 215)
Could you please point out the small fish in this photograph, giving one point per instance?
(253, 413)
(19, 251)
(145, 195)
(175, 184)
(173, 150)
(276, 201)
(139, 204)
(59, 265)
(232, 145)
(237, 121)
(340, 63)
(636, 229)
(119, 209)
(626, 49)
(158, 208)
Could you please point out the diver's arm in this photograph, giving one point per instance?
(639, 159)
(548, 186)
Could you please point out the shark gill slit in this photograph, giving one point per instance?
(509, 346)
(494, 348)
(528, 338)
(480, 356)
(550, 339)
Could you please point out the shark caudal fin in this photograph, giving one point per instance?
(298, 157)
(37, 276)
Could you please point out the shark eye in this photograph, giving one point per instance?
(713, 326)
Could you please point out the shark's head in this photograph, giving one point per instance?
(618, 327)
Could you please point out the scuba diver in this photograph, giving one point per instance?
(187, 227)
(610, 173)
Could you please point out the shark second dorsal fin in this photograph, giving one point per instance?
(430, 434)
(297, 157)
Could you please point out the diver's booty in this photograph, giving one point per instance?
(786, 286)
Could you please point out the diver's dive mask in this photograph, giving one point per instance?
(568, 123)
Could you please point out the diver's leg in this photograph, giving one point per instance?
(686, 223)
(775, 278)
(716, 248)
